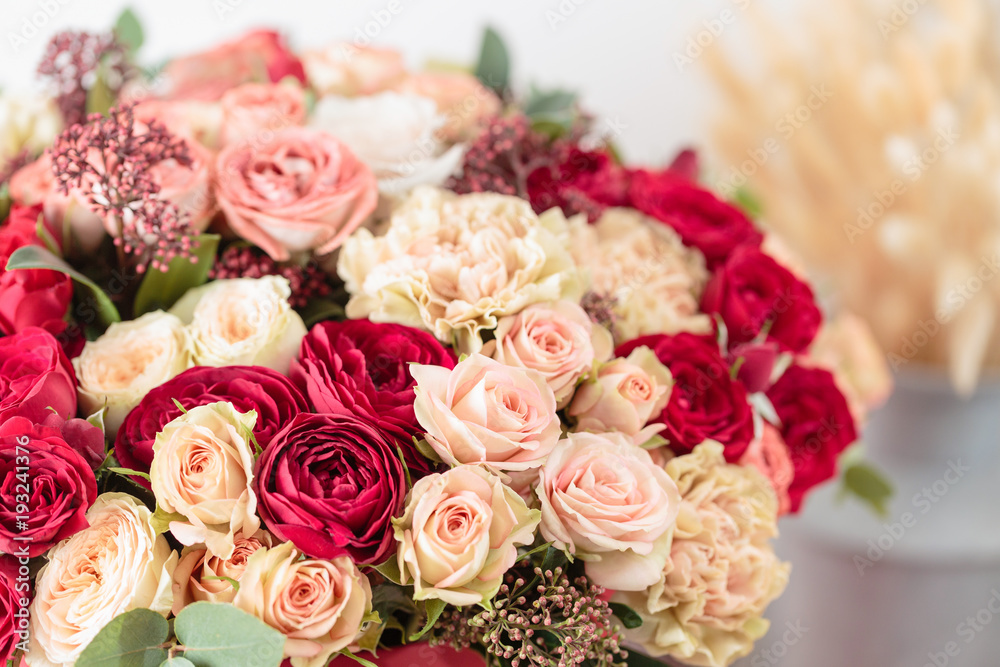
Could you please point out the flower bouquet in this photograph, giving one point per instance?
(309, 358)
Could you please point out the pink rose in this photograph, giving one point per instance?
(485, 412)
(603, 496)
(202, 121)
(188, 187)
(349, 70)
(256, 110)
(556, 339)
(769, 455)
(198, 577)
(624, 396)
(461, 99)
(303, 190)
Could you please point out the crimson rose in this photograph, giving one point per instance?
(331, 485)
(585, 182)
(751, 291)
(14, 599)
(44, 479)
(705, 403)
(36, 378)
(269, 393)
(816, 425)
(701, 219)
(364, 367)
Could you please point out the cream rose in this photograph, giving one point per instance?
(707, 606)
(624, 396)
(128, 360)
(485, 412)
(455, 264)
(348, 69)
(556, 339)
(202, 469)
(464, 102)
(117, 564)
(203, 577)
(394, 134)
(253, 111)
(604, 500)
(653, 282)
(243, 321)
(459, 535)
(319, 605)
(27, 124)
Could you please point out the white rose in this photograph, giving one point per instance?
(244, 321)
(128, 360)
(117, 564)
(26, 124)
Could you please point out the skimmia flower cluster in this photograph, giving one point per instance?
(307, 282)
(71, 62)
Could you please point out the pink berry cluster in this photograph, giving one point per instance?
(306, 282)
(71, 61)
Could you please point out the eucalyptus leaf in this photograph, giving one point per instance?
(129, 31)
(493, 68)
(220, 635)
(133, 639)
(433, 609)
(869, 485)
(161, 289)
(177, 661)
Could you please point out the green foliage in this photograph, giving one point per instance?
(868, 485)
(628, 616)
(133, 639)
(493, 68)
(128, 30)
(220, 635)
(433, 609)
(161, 289)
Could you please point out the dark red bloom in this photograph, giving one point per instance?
(36, 378)
(331, 485)
(15, 596)
(816, 425)
(752, 292)
(582, 182)
(756, 364)
(46, 487)
(275, 399)
(420, 653)
(705, 403)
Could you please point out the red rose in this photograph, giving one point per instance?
(331, 485)
(751, 291)
(585, 182)
(44, 479)
(756, 364)
(420, 653)
(35, 375)
(701, 219)
(30, 297)
(14, 599)
(816, 425)
(275, 399)
(364, 367)
(705, 403)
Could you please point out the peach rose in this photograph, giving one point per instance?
(556, 339)
(127, 360)
(302, 190)
(202, 469)
(604, 500)
(768, 454)
(707, 606)
(253, 111)
(117, 564)
(459, 535)
(201, 121)
(242, 322)
(203, 577)
(189, 188)
(485, 412)
(348, 69)
(465, 103)
(624, 396)
(319, 605)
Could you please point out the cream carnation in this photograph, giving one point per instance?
(27, 123)
(455, 264)
(117, 564)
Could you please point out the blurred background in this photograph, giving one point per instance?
(868, 134)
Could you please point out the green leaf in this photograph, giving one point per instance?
(868, 485)
(550, 102)
(220, 635)
(366, 663)
(35, 257)
(160, 521)
(130, 473)
(132, 639)
(4, 201)
(42, 232)
(628, 616)
(97, 419)
(100, 97)
(748, 202)
(390, 570)
(177, 661)
(320, 310)
(128, 30)
(433, 609)
(232, 582)
(636, 659)
(493, 68)
(161, 289)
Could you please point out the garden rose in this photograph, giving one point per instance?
(319, 605)
(36, 378)
(460, 534)
(557, 339)
(252, 111)
(302, 190)
(365, 368)
(707, 606)
(242, 321)
(269, 394)
(34, 185)
(202, 469)
(582, 182)
(604, 499)
(117, 564)
(465, 103)
(485, 412)
(455, 264)
(188, 187)
(816, 425)
(14, 597)
(47, 480)
(349, 69)
(752, 292)
(128, 360)
(705, 403)
(624, 395)
(194, 579)
(769, 455)
(199, 120)
(330, 484)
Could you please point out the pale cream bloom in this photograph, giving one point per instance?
(193, 582)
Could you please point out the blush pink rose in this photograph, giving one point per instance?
(485, 412)
(255, 110)
(188, 187)
(769, 455)
(465, 103)
(303, 190)
(347, 69)
(202, 121)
